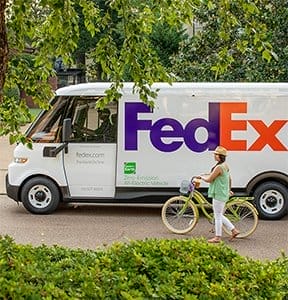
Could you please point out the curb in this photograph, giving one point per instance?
(3, 173)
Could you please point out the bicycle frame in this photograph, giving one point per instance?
(202, 203)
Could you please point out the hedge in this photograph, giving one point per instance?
(150, 269)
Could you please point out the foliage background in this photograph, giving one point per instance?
(160, 269)
(196, 59)
(134, 40)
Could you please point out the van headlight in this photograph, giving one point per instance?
(20, 160)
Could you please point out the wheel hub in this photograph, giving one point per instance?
(40, 196)
(271, 201)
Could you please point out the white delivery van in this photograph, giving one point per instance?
(146, 153)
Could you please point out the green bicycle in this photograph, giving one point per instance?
(180, 214)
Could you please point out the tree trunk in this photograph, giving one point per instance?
(3, 47)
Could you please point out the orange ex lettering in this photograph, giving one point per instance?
(267, 134)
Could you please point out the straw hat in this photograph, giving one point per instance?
(220, 150)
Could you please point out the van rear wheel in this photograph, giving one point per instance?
(40, 195)
(271, 200)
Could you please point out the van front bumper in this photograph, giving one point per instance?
(12, 190)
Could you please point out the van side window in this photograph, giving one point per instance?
(92, 125)
(47, 127)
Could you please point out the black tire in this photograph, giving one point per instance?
(40, 195)
(271, 200)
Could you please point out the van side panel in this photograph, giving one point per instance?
(175, 141)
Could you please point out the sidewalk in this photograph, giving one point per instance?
(6, 156)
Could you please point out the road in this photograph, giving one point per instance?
(91, 227)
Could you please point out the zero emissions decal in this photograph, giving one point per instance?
(220, 126)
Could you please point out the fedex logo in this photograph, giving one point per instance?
(220, 127)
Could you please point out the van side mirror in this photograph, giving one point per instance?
(67, 130)
(66, 133)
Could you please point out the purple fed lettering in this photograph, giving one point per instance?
(168, 134)
(158, 132)
(212, 127)
(132, 124)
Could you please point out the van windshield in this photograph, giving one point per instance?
(46, 128)
(88, 123)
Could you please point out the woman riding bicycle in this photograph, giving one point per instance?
(220, 190)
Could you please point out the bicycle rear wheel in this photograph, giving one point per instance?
(243, 215)
(179, 214)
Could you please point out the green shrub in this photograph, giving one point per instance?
(160, 269)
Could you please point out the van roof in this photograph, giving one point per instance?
(99, 88)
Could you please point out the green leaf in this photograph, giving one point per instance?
(266, 54)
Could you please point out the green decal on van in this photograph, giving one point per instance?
(130, 167)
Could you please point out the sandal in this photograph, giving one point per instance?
(214, 240)
(235, 233)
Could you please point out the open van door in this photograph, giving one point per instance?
(90, 157)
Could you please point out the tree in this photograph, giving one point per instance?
(197, 58)
(166, 41)
(3, 46)
(51, 29)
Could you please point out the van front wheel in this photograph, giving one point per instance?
(271, 200)
(40, 195)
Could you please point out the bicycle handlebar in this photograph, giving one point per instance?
(189, 186)
(195, 181)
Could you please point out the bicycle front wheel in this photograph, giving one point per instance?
(243, 215)
(179, 214)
